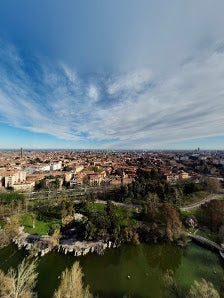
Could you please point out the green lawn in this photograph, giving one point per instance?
(97, 206)
(2, 223)
(41, 227)
(185, 214)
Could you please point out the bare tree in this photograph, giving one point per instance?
(20, 282)
(55, 237)
(171, 285)
(9, 231)
(203, 289)
(5, 283)
(4, 238)
(72, 285)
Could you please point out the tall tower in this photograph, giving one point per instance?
(21, 152)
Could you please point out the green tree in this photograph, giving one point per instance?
(57, 183)
(41, 185)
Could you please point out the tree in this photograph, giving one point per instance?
(203, 289)
(71, 209)
(33, 215)
(55, 237)
(221, 234)
(90, 231)
(150, 213)
(72, 285)
(135, 239)
(9, 231)
(4, 238)
(170, 284)
(41, 185)
(212, 185)
(63, 209)
(12, 227)
(67, 168)
(222, 289)
(20, 282)
(57, 183)
(171, 221)
(5, 284)
(110, 208)
(212, 214)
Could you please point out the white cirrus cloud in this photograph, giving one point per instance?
(93, 92)
(131, 110)
(133, 81)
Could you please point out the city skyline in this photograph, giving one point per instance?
(112, 75)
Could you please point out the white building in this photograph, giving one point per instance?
(44, 168)
(14, 177)
(56, 166)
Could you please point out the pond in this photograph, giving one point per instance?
(107, 275)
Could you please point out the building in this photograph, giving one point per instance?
(24, 186)
(56, 166)
(79, 168)
(44, 168)
(13, 177)
(94, 179)
(183, 175)
(76, 181)
(172, 179)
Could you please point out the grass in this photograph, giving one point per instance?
(41, 227)
(191, 230)
(2, 223)
(194, 197)
(185, 214)
(97, 206)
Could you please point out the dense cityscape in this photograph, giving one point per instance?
(23, 170)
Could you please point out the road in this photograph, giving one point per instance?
(41, 195)
(70, 193)
(198, 204)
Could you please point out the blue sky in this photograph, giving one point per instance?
(112, 74)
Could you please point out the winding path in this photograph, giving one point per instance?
(198, 204)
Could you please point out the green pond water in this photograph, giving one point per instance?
(107, 275)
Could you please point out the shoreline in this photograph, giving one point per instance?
(41, 245)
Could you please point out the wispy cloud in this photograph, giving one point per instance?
(93, 92)
(134, 109)
(127, 83)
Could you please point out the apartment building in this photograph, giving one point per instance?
(24, 186)
(56, 166)
(14, 177)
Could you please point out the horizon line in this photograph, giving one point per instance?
(104, 149)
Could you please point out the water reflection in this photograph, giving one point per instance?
(107, 275)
